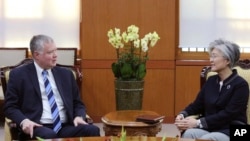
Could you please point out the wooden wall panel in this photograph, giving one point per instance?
(98, 16)
(187, 85)
(98, 91)
(99, 96)
(159, 92)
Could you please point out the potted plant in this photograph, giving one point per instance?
(130, 67)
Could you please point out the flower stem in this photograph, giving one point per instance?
(132, 49)
(117, 53)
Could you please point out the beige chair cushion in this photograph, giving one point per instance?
(7, 73)
(1, 93)
(245, 73)
(66, 56)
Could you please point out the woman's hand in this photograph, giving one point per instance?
(179, 117)
(185, 123)
(178, 122)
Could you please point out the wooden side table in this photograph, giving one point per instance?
(113, 122)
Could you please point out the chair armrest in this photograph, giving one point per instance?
(10, 130)
(10, 123)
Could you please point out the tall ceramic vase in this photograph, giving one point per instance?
(129, 95)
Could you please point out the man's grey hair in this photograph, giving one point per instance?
(37, 42)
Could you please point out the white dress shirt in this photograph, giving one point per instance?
(46, 114)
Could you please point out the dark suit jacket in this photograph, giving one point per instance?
(23, 96)
(221, 108)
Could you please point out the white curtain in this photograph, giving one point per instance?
(202, 21)
(21, 19)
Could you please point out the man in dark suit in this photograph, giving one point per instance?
(28, 102)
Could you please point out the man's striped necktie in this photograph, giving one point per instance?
(57, 125)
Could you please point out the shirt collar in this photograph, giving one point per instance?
(40, 70)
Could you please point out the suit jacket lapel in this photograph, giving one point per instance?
(58, 82)
(34, 78)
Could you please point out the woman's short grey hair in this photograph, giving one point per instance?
(37, 42)
(230, 50)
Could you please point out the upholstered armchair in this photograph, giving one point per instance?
(243, 69)
(8, 57)
(11, 132)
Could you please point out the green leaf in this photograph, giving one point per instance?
(123, 134)
(40, 139)
(116, 69)
(126, 71)
(141, 71)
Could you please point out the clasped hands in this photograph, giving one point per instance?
(28, 125)
(185, 123)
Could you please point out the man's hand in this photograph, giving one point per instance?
(79, 120)
(28, 126)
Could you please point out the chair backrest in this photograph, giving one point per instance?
(11, 56)
(243, 69)
(6, 70)
(67, 56)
